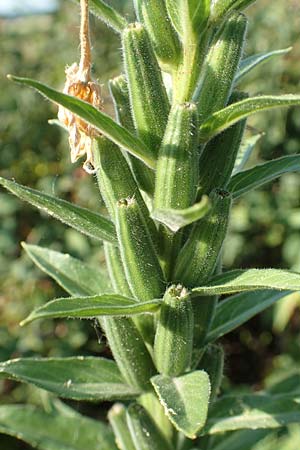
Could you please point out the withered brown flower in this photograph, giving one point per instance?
(80, 84)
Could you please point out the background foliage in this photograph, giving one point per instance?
(265, 227)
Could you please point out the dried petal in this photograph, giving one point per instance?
(80, 132)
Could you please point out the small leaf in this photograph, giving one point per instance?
(72, 274)
(105, 124)
(238, 309)
(245, 152)
(77, 378)
(179, 218)
(222, 7)
(235, 112)
(199, 13)
(54, 430)
(82, 219)
(188, 14)
(251, 411)
(89, 307)
(185, 400)
(108, 15)
(250, 280)
(247, 180)
(251, 62)
(286, 384)
(58, 123)
(117, 420)
(284, 312)
(144, 432)
(241, 440)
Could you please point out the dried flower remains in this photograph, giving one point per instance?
(80, 84)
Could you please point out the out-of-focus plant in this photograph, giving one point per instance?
(167, 170)
(35, 152)
(266, 222)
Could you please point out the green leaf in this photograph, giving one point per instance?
(251, 62)
(108, 15)
(54, 430)
(58, 123)
(185, 400)
(144, 431)
(247, 180)
(82, 219)
(245, 152)
(179, 218)
(72, 274)
(238, 309)
(188, 15)
(235, 112)
(222, 7)
(199, 13)
(105, 124)
(284, 312)
(117, 419)
(78, 378)
(89, 307)
(286, 384)
(251, 411)
(250, 280)
(240, 440)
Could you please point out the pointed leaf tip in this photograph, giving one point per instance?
(82, 219)
(225, 118)
(79, 378)
(92, 306)
(77, 278)
(244, 181)
(250, 280)
(179, 218)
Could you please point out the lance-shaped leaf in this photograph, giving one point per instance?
(235, 112)
(251, 411)
(241, 440)
(222, 7)
(54, 430)
(179, 218)
(102, 122)
(82, 219)
(287, 384)
(252, 178)
(78, 378)
(251, 62)
(250, 280)
(185, 400)
(72, 274)
(238, 309)
(245, 152)
(89, 307)
(108, 15)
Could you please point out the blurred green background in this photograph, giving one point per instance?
(265, 225)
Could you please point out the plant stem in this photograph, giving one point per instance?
(85, 44)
